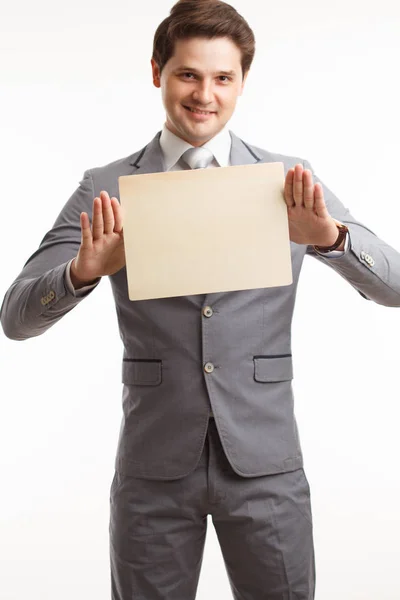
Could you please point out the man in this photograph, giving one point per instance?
(208, 425)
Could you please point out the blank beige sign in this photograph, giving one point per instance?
(204, 231)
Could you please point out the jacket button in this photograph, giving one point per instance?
(209, 367)
(208, 311)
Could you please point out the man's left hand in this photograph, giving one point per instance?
(309, 220)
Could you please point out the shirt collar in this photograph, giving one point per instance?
(173, 147)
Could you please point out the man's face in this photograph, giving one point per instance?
(202, 74)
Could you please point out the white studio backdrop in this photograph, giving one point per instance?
(76, 93)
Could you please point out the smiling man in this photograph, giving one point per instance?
(208, 425)
(199, 100)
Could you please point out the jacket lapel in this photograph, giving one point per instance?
(149, 159)
(241, 153)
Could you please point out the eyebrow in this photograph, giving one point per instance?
(192, 70)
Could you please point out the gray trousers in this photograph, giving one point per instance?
(263, 524)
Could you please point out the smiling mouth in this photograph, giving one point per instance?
(199, 112)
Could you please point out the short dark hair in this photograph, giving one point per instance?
(206, 19)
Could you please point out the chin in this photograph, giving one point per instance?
(195, 132)
(201, 130)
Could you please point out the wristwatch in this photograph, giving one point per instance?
(343, 229)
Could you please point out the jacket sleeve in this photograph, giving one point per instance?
(370, 265)
(39, 296)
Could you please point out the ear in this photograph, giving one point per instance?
(243, 82)
(156, 74)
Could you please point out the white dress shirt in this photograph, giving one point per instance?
(172, 148)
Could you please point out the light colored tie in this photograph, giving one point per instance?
(198, 158)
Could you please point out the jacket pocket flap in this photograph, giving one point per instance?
(273, 368)
(141, 372)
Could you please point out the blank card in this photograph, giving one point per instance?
(206, 230)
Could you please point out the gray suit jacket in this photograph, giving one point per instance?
(246, 337)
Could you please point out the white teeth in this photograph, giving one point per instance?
(200, 112)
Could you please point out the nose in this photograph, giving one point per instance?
(203, 92)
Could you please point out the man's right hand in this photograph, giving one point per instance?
(102, 248)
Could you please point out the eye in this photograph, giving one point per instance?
(187, 75)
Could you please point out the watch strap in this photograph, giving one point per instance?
(343, 229)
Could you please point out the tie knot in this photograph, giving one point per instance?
(198, 158)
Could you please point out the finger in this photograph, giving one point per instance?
(288, 190)
(117, 215)
(108, 214)
(97, 220)
(308, 188)
(86, 234)
(319, 202)
(298, 185)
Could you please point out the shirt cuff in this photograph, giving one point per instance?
(71, 288)
(337, 253)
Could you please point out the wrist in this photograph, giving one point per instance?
(331, 238)
(77, 281)
(336, 241)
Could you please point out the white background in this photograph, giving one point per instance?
(76, 93)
